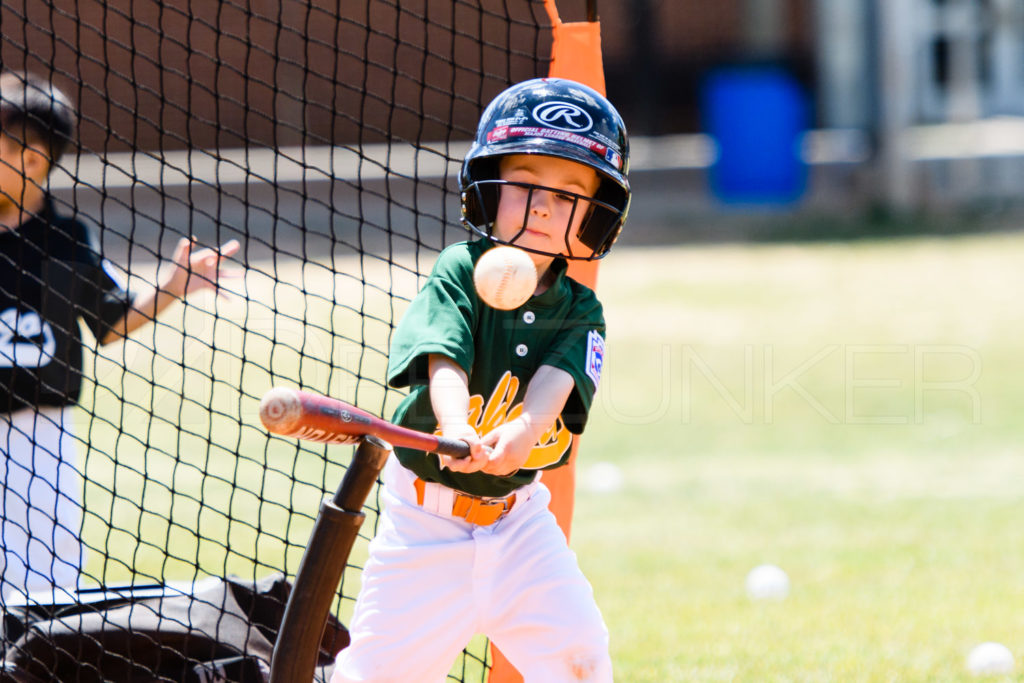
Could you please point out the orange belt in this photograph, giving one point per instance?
(474, 509)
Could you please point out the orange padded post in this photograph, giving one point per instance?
(575, 54)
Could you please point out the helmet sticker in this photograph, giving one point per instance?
(517, 119)
(563, 116)
(597, 136)
(613, 158)
(498, 134)
(505, 132)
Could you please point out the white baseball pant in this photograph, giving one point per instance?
(41, 516)
(433, 581)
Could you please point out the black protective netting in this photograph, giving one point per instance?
(325, 137)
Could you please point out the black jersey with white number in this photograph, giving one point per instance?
(51, 276)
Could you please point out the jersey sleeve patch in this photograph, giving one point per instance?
(595, 356)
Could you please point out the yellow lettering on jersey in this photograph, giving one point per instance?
(485, 417)
(552, 446)
(498, 409)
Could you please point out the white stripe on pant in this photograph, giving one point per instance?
(40, 520)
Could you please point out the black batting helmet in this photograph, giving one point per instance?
(559, 118)
(33, 110)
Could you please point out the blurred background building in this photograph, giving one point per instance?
(964, 58)
(901, 105)
(921, 96)
(912, 105)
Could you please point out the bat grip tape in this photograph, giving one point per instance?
(457, 448)
(299, 639)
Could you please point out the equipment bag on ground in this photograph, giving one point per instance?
(213, 630)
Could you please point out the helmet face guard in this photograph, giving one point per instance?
(556, 118)
(599, 227)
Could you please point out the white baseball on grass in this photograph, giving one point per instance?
(990, 659)
(767, 582)
(505, 277)
(603, 477)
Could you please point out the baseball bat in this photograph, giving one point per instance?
(314, 417)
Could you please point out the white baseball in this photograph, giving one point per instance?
(505, 277)
(767, 582)
(990, 659)
(602, 477)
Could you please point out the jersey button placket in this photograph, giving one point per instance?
(523, 349)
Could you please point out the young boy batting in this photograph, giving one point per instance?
(51, 277)
(469, 546)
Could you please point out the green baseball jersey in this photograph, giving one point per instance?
(500, 351)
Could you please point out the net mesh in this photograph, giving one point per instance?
(325, 137)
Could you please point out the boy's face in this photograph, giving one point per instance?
(22, 169)
(544, 219)
(12, 177)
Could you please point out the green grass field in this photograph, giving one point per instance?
(849, 412)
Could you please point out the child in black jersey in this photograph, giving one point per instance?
(51, 277)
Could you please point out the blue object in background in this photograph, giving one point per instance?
(757, 116)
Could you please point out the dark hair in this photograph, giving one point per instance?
(34, 111)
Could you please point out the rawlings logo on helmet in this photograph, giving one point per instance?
(563, 116)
